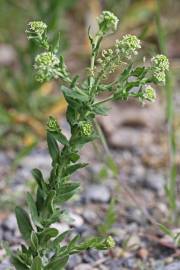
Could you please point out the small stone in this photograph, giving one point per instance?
(76, 220)
(143, 253)
(10, 223)
(83, 266)
(172, 266)
(74, 260)
(98, 193)
(5, 265)
(90, 216)
(155, 181)
(61, 227)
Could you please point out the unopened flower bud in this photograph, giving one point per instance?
(149, 93)
(52, 124)
(46, 65)
(107, 22)
(160, 62)
(38, 27)
(86, 128)
(110, 243)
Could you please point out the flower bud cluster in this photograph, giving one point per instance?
(86, 128)
(124, 48)
(149, 93)
(128, 46)
(46, 66)
(37, 27)
(52, 124)
(110, 243)
(109, 61)
(160, 65)
(108, 22)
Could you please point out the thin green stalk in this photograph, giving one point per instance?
(104, 100)
(171, 186)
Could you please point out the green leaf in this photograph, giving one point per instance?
(40, 199)
(166, 230)
(139, 72)
(110, 219)
(37, 264)
(47, 234)
(33, 210)
(39, 179)
(58, 263)
(24, 223)
(71, 115)
(74, 95)
(61, 237)
(73, 242)
(101, 109)
(112, 165)
(18, 264)
(34, 241)
(126, 73)
(52, 146)
(72, 168)
(49, 201)
(74, 157)
(60, 137)
(66, 191)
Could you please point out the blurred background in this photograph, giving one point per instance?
(144, 141)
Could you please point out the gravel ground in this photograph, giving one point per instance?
(138, 143)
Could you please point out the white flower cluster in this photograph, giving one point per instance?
(46, 66)
(37, 27)
(160, 65)
(108, 22)
(128, 46)
(149, 93)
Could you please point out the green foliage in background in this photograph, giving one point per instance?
(21, 96)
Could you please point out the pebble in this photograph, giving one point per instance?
(83, 266)
(10, 223)
(90, 216)
(5, 265)
(172, 266)
(98, 193)
(76, 220)
(155, 182)
(74, 260)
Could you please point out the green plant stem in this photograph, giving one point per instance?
(104, 100)
(171, 186)
(93, 57)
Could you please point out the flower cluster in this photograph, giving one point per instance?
(108, 22)
(37, 27)
(110, 243)
(86, 128)
(149, 93)
(46, 66)
(128, 46)
(160, 65)
(52, 124)
(109, 61)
